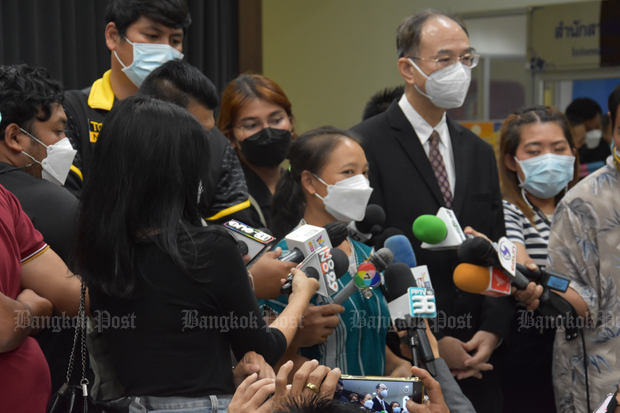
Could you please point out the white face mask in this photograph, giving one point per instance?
(368, 404)
(146, 58)
(447, 88)
(58, 162)
(593, 138)
(347, 199)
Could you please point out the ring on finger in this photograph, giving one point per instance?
(312, 387)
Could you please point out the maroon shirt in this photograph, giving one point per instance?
(25, 384)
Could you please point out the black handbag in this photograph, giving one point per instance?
(74, 398)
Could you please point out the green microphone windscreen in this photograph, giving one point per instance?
(430, 229)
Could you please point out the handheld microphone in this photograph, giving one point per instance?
(488, 281)
(251, 241)
(325, 265)
(379, 240)
(408, 306)
(368, 274)
(307, 238)
(372, 224)
(479, 251)
(546, 278)
(401, 247)
(440, 232)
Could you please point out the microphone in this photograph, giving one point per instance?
(379, 240)
(479, 251)
(308, 238)
(403, 253)
(546, 278)
(325, 265)
(372, 224)
(408, 306)
(368, 274)
(488, 281)
(401, 247)
(440, 232)
(251, 241)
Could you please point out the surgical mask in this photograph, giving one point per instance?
(384, 393)
(58, 162)
(447, 87)
(546, 175)
(593, 138)
(267, 147)
(347, 199)
(146, 58)
(396, 410)
(368, 404)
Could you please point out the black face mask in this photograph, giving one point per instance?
(267, 147)
(337, 394)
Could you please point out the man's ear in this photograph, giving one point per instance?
(405, 68)
(112, 36)
(307, 182)
(14, 138)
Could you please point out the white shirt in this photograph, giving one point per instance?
(424, 130)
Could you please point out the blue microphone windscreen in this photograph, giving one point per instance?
(401, 247)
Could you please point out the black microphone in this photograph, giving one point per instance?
(398, 280)
(546, 277)
(369, 277)
(372, 224)
(479, 251)
(379, 240)
(325, 265)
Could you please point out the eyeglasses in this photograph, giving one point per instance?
(252, 126)
(470, 60)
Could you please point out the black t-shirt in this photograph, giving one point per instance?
(51, 208)
(184, 326)
(600, 153)
(261, 194)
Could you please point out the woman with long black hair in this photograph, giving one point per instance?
(176, 293)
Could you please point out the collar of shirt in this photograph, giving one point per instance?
(101, 94)
(424, 130)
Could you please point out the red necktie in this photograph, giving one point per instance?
(434, 156)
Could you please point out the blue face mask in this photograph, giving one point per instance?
(146, 58)
(396, 410)
(546, 175)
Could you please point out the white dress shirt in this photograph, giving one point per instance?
(424, 130)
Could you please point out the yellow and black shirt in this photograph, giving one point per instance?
(226, 195)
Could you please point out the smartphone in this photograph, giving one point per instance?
(255, 241)
(399, 388)
(609, 404)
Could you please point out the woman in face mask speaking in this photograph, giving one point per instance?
(256, 117)
(537, 166)
(328, 182)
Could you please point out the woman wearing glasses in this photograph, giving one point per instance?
(256, 117)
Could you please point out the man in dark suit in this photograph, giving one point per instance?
(378, 402)
(421, 160)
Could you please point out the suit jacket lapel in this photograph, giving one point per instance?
(408, 139)
(459, 152)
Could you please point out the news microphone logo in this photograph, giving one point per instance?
(422, 302)
(327, 268)
(367, 276)
(507, 254)
(500, 284)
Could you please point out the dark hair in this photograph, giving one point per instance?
(240, 91)
(378, 385)
(170, 13)
(509, 140)
(178, 82)
(314, 404)
(574, 120)
(309, 152)
(361, 396)
(612, 103)
(585, 108)
(27, 94)
(409, 33)
(142, 185)
(380, 101)
(392, 404)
